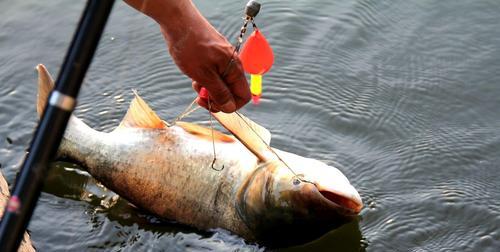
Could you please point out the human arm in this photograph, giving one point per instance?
(199, 51)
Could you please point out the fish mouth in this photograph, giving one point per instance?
(347, 199)
(351, 204)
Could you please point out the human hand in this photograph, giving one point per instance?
(205, 55)
(200, 52)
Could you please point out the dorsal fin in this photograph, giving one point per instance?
(255, 137)
(140, 115)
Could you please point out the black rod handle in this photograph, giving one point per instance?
(53, 123)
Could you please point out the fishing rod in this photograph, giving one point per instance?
(60, 105)
(52, 125)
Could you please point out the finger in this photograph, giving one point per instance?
(238, 84)
(202, 99)
(220, 93)
(204, 103)
(202, 92)
(196, 86)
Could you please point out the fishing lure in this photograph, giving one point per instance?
(257, 58)
(256, 55)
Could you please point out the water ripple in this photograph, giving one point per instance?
(403, 97)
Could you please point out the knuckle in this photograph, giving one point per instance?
(222, 96)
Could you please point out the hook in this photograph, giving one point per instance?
(213, 139)
(213, 166)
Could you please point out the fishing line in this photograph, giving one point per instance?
(250, 11)
(189, 109)
(213, 138)
(296, 177)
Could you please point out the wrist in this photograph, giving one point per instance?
(163, 11)
(177, 18)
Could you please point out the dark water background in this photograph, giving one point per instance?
(402, 96)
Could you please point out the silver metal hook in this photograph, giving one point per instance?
(213, 139)
(213, 165)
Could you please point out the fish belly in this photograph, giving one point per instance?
(167, 172)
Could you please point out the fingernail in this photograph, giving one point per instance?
(228, 107)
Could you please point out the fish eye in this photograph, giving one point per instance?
(297, 179)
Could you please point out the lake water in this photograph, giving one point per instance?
(402, 96)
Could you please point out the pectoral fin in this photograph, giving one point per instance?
(255, 137)
(205, 133)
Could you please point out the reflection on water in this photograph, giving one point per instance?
(402, 96)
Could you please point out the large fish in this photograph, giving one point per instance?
(167, 171)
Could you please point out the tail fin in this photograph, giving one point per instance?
(45, 85)
(77, 134)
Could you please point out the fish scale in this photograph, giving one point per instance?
(167, 171)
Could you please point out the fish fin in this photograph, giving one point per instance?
(45, 85)
(205, 133)
(255, 137)
(140, 115)
(76, 128)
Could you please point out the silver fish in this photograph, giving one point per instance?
(166, 170)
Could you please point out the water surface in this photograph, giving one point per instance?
(402, 96)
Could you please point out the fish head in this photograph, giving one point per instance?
(296, 200)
